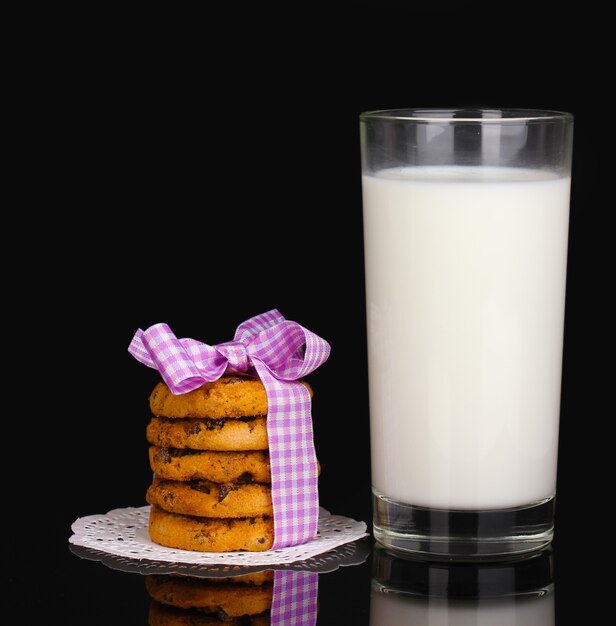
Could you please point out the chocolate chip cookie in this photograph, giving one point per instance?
(221, 467)
(208, 534)
(204, 498)
(229, 396)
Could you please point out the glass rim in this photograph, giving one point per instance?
(471, 114)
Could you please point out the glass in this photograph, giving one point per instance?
(465, 233)
(516, 593)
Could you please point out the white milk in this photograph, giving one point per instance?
(465, 279)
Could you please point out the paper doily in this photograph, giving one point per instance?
(350, 554)
(124, 532)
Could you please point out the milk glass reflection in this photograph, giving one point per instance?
(438, 594)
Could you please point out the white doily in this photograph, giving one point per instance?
(124, 532)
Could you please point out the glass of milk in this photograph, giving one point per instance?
(422, 593)
(465, 233)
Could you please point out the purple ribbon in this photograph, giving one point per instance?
(294, 598)
(279, 352)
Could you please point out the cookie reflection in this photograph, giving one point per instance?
(257, 599)
(176, 600)
(517, 593)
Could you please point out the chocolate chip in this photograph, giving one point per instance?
(261, 540)
(214, 424)
(225, 490)
(244, 478)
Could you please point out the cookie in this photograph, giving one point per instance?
(212, 597)
(163, 615)
(219, 467)
(245, 433)
(229, 396)
(204, 498)
(255, 534)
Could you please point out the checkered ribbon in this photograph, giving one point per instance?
(279, 352)
(294, 598)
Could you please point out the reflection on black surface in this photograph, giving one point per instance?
(182, 600)
(421, 593)
(255, 599)
(192, 595)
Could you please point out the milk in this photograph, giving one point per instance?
(465, 280)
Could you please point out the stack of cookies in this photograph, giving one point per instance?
(182, 600)
(209, 454)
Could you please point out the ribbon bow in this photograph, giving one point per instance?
(284, 348)
(279, 352)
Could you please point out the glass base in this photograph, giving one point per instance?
(462, 534)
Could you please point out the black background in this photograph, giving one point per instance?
(205, 168)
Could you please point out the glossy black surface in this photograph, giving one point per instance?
(93, 592)
(201, 169)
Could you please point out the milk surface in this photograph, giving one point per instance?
(465, 282)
